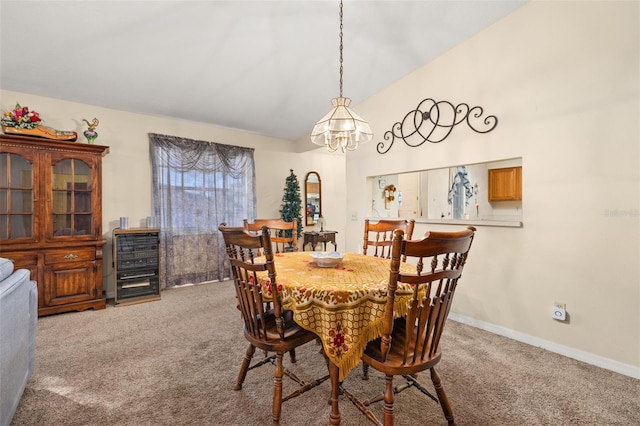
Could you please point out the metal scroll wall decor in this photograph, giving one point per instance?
(433, 122)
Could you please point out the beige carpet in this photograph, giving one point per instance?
(175, 361)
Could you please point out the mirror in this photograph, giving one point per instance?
(313, 199)
(450, 193)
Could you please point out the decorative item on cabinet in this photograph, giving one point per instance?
(91, 133)
(51, 222)
(21, 121)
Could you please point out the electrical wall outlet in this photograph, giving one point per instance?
(558, 311)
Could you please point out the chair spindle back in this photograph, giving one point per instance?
(243, 250)
(379, 235)
(439, 259)
(284, 235)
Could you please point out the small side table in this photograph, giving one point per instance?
(324, 237)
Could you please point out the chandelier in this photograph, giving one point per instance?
(341, 127)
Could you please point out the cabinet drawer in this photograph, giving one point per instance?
(21, 259)
(70, 255)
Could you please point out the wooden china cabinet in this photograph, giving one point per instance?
(51, 218)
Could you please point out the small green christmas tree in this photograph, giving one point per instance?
(292, 202)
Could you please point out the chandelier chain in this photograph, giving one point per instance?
(340, 48)
(341, 128)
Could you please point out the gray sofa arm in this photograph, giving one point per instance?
(18, 320)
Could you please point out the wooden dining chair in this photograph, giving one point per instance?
(379, 234)
(284, 235)
(410, 344)
(267, 329)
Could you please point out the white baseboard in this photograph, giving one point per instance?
(589, 358)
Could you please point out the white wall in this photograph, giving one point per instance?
(563, 80)
(126, 171)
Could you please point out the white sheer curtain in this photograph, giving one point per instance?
(196, 186)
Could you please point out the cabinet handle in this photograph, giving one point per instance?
(70, 256)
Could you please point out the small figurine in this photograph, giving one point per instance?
(91, 133)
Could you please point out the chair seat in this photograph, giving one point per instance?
(294, 335)
(287, 317)
(394, 363)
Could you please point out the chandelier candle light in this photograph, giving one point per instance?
(341, 127)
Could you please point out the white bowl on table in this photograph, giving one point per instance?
(327, 259)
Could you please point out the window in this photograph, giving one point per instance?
(196, 186)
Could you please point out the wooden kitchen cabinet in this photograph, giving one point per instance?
(505, 184)
(51, 218)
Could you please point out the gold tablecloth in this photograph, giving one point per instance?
(343, 305)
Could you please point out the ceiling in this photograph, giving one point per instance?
(266, 67)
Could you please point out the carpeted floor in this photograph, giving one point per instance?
(175, 361)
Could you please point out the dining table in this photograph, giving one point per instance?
(343, 305)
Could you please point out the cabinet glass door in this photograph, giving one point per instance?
(71, 187)
(16, 197)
